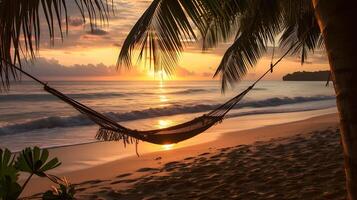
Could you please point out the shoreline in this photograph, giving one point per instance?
(156, 159)
(229, 117)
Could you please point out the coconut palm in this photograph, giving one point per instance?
(20, 27)
(301, 25)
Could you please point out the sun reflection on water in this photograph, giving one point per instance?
(163, 123)
(168, 146)
(163, 98)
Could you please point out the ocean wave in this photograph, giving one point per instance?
(81, 120)
(48, 97)
(191, 91)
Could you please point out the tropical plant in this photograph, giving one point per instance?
(65, 191)
(20, 28)
(300, 25)
(34, 161)
(9, 188)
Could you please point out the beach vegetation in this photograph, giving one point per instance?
(30, 162)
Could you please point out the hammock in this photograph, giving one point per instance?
(110, 130)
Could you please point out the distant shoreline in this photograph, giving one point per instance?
(307, 76)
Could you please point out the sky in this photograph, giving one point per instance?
(86, 55)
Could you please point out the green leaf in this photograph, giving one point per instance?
(9, 188)
(7, 168)
(51, 165)
(35, 161)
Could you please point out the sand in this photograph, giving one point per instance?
(298, 160)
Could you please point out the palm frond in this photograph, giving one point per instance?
(163, 30)
(221, 27)
(300, 25)
(20, 28)
(258, 25)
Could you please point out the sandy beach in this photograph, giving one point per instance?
(297, 160)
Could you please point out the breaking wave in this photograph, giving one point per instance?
(81, 120)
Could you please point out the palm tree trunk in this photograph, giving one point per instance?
(337, 21)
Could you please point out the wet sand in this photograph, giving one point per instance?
(298, 160)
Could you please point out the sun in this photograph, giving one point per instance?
(158, 75)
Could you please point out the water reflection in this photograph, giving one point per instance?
(163, 123)
(163, 98)
(168, 146)
(162, 91)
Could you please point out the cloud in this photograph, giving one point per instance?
(126, 13)
(117, 44)
(180, 71)
(51, 69)
(183, 73)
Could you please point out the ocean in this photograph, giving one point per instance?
(29, 116)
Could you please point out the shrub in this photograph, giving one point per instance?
(33, 161)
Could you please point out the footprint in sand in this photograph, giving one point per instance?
(204, 154)
(123, 175)
(189, 158)
(158, 158)
(91, 182)
(147, 169)
(124, 181)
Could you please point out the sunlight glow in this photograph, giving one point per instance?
(168, 146)
(158, 75)
(164, 123)
(163, 98)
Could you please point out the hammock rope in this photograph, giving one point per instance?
(110, 130)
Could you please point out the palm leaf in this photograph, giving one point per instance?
(35, 161)
(9, 188)
(7, 168)
(20, 30)
(221, 27)
(300, 25)
(164, 29)
(259, 23)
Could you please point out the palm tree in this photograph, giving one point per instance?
(20, 28)
(302, 25)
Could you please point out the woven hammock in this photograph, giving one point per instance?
(110, 130)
